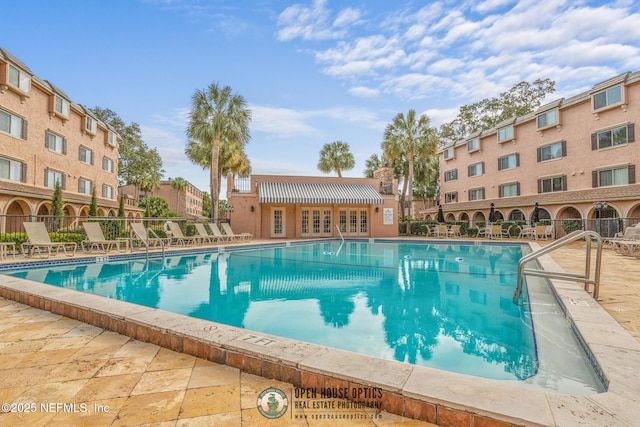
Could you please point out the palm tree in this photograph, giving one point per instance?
(217, 115)
(407, 138)
(335, 156)
(179, 184)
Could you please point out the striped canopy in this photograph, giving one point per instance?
(291, 192)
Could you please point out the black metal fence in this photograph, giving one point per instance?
(70, 229)
(606, 227)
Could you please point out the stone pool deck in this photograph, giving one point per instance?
(165, 369)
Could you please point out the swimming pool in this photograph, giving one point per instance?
(442, 306)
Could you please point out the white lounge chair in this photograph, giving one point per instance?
(38, 240)
(178, 237)
(96, 240)
(218, 234)
(203, 235)
(140, 233)
(242, 236)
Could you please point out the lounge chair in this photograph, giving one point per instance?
(178, 237)
(203, 235)
(628, 234)
(628, 243)
(38, 240)
(140, 233)
(229, 232)
(96, 240)
(218, 234)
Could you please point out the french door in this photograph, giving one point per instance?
(354, 221)
(316, 222)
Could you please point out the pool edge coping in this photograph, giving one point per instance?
(408, 390)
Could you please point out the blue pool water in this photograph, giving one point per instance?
(442, 306)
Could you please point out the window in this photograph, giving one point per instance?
(610, 138)
(51, 177)
(451, 175)
(607, 97)
(90, 125)
(614, 176)
(553, 151)
(476, 194)
(55, 143)
(448, 153)
(547, 119)
(13, 125)
(112, 139)
(107, 191)
(19, 79)
(107, 164)
(509, 162)
(476, 169)
(61, 106)
(86, 155)
(84, 186)
(473, 145)
(509, 190)
(13, 170)
(550, 185)
(505, 134)
(451, 197)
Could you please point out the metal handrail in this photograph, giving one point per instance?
(145, 240)
(582, 278)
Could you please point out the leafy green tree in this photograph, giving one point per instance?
(232, 160)
(335, 156)
(217, 117)
(180, 185)
(155, 207)
(521, 99)
(406, 139)
(137, 163)
(372, 164)
(93, 206)
(57, 207)
(206, 204)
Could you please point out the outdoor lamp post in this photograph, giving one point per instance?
(599, 207)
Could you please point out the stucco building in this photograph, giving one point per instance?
(46, 138)
(187, 203)
(273, 206)
(565, 156)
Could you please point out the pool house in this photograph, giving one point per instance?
(292, 207)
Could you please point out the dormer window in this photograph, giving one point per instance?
(61, 106)
(607, 98)
(473, 145)
(547, 119)
(90, 125)
(505, 134)
(19, 79)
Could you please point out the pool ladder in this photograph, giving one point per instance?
(581, 278)
(145, 240)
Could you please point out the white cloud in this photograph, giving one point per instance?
(364, 92)
(314, 22)
(280, 122)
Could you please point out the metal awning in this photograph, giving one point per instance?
(290, 192)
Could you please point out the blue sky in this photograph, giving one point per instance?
(312, 71)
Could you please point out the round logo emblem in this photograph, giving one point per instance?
(272, 403)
